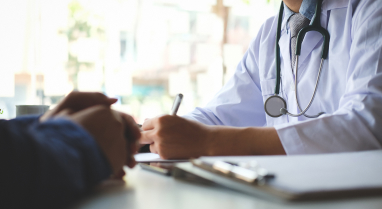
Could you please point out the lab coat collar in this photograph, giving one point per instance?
(327, 5)
(313, 37)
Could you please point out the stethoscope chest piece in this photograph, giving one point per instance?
(274, 106)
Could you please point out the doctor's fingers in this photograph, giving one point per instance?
(153, 148)
(166, 152)
(162, 151)
(148, 124)
(154, 123)
(147, 137)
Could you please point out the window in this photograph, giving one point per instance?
(142, 52)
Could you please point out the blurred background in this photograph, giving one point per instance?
(142, 52)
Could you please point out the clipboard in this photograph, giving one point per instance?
(303, 177)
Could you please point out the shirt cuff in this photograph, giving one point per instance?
(290, 139)
(27, 119)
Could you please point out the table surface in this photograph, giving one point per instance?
(144, 190)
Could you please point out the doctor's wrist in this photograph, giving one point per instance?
(243, 141)
(224, 140)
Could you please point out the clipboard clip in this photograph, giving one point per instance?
(249, 172)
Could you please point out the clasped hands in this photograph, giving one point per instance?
(116, 133)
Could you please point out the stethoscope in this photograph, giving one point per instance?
(275, 106)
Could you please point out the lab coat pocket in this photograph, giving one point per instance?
(268, 87)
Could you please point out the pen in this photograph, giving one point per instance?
(177, 102)
(175, 107)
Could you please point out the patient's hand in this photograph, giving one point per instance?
(77, 101)
(116, 133)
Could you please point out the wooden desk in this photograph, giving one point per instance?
(145, 190)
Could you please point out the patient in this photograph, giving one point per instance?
(52, 160)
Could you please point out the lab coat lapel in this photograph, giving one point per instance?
(284, 44)
(313, 40)
(334, 4)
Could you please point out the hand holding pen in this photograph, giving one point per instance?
(174, 110)
(176, 137)
(173, 137)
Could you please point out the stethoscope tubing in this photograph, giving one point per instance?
(314, 26)
(313, 96)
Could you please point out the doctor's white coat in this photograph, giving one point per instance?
(349, 91)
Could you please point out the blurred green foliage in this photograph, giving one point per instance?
(82, 24)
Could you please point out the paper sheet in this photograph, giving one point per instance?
(151, 157)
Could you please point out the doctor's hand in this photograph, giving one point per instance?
(77, 101)
(174, 137)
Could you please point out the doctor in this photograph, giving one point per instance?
(346, 110)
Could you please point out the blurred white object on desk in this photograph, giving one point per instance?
(152, 157)
(31, 109)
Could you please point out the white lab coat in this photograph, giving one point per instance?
(349, 92)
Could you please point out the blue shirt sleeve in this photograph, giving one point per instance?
(47, 165)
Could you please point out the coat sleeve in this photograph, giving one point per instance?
(356, 124)
(47, 165)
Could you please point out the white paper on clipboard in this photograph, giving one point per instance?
(152, 157)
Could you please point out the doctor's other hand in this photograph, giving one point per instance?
(116, 133)
(174, 137)
(77, 101)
